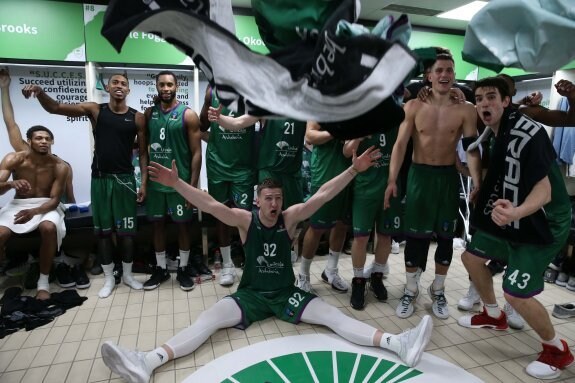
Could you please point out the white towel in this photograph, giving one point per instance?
(55, 216)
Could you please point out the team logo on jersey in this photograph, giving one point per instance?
(174, 115)
(156, 147)
(282, 145)
(289, 312)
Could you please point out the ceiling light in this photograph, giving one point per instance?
(465, 12)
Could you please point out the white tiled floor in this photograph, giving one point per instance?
(68, 349)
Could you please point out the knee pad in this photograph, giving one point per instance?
(444, 251)
(416, 252)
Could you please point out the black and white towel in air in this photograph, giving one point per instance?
(345, 83)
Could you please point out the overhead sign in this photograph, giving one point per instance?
(41, 30)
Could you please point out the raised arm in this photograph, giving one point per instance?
(52, 106)
(555, 117)
(300, 212)
(192, 124)
(204, 121)
(14, 134)
(314, 135)
(202, 200)
(142, 137)
(229, 122)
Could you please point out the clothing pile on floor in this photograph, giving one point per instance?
(20, 311)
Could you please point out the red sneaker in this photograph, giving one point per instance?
(484, 321)
(550, 362)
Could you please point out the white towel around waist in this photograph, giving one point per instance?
(55, 216)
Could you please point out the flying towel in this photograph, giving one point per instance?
(55, 216)
(527, 34)
(345, 81)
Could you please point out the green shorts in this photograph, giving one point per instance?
(241, 193)
(159, 204)
(114, 204)
(432, 201)
(337, 209)
(292, 186)
(287, 304)
(526, 263)
(366, 212)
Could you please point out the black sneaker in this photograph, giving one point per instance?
(118, 272)
(204, 272)
(96, 269)
(64, 276)
(358, 292)
(186, 282)
(159, 276)
(79, 275)
(376, 285)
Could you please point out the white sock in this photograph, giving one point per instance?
(226, 252)
(128, 277)
(43, 283)
(332, 260)
(493, 310)
(378, 267)
(412, 281)
(555, 342)
(161, 259)
(109, 281)
(184, 257)
(304, 266)
(156, 358)
(390, 342)
(358, 272)
(438, 282)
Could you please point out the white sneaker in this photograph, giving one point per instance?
(439, 306)
(337, 283)
(394, 247)
(369, 269)
(514, 320)
(406, 305)
(471, 299)
(228, 274)
(414, 341)
(303, 283)
(130, 365)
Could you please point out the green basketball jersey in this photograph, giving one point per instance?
(168, 139)
(268, 257)
(292, 20)
(327, 161)
(229, 155)
(281, 146)
(375, 178)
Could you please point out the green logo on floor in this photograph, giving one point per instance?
(323, 358)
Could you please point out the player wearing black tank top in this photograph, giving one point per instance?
(113, 192)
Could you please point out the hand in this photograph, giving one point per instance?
(214, 114)
(32, 90)
(24, 216)
(390, 191)
(457, 96)
(4, 78)
(565, 88)
(162, 174)
(532, 100)
(366, 160)
(424, 93)
(141, 194)
(22, 187)
(504, 212)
